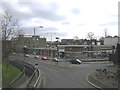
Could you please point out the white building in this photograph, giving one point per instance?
(112, 41)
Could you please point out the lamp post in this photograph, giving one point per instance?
(34, 36)
(57, 47)
(51, 34)
(35, 40)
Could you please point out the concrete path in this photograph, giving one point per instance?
(24, 84)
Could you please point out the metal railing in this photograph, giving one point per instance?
(38, 79)
(17, 79)
(29, 83)
(35, 78)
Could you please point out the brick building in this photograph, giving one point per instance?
(27, 41)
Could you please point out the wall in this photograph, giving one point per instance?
(111, 41)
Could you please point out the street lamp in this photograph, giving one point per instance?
(51, 34)
(35, 40)
(57, 47)
(34, 35)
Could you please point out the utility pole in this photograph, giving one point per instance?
(36, 63)
(51, 34)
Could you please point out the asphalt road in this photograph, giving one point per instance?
(73, 76)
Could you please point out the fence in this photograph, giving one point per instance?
(35, 75)
(21, 77)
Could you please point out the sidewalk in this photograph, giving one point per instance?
(104, 78)
(24, 84)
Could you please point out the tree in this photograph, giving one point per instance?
(90, 36)
(8, 29)
(76, 38)
(101, 39)
(106, 32)
(8, 25)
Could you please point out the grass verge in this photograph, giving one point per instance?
(9, 72)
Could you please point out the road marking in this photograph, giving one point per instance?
(91, 82)
(96, 62)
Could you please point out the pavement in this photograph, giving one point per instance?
(24, 84)
(104, 80)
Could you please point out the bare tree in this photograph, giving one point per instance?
(8, 25)
(90, 35)
(76, 38)
(106, 33)
(101, 39)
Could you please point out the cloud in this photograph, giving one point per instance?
(35, 9)
(45, 11)
(62, 34)
(111, 23)
(75, 11)
(48, 15)
(29, 30)
(66, 23)
(50, 29)
(14, 9)
(103, 25)
(114, 15)
(81, 24)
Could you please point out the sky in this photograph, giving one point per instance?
(65, 18)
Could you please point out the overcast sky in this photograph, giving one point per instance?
(66, 18)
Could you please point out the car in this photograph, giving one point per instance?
(26, 55)
(36, 64)
(34, 53)
(44, 58)
(75, 61)
(36, 57)
(55, 59)
(14, 53)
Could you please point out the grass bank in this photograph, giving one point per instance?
(9, 72)
(0, 75)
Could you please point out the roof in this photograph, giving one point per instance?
(72, 45)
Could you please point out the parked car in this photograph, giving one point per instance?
(55, 59)
(37, 57)
(44, 58)
(75, 61)
(26, 55)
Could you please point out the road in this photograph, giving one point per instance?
(73, 76)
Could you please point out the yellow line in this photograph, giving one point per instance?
(44, 80)
(95, 62)
(91, 82)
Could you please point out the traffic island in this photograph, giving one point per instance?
(103, 79)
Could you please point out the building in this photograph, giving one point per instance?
(84, 51)
(27, 41)
(111, 41)
(78, 42)
(43, 51)
(67, 41)
(6, 48)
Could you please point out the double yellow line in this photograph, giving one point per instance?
(91, 82)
